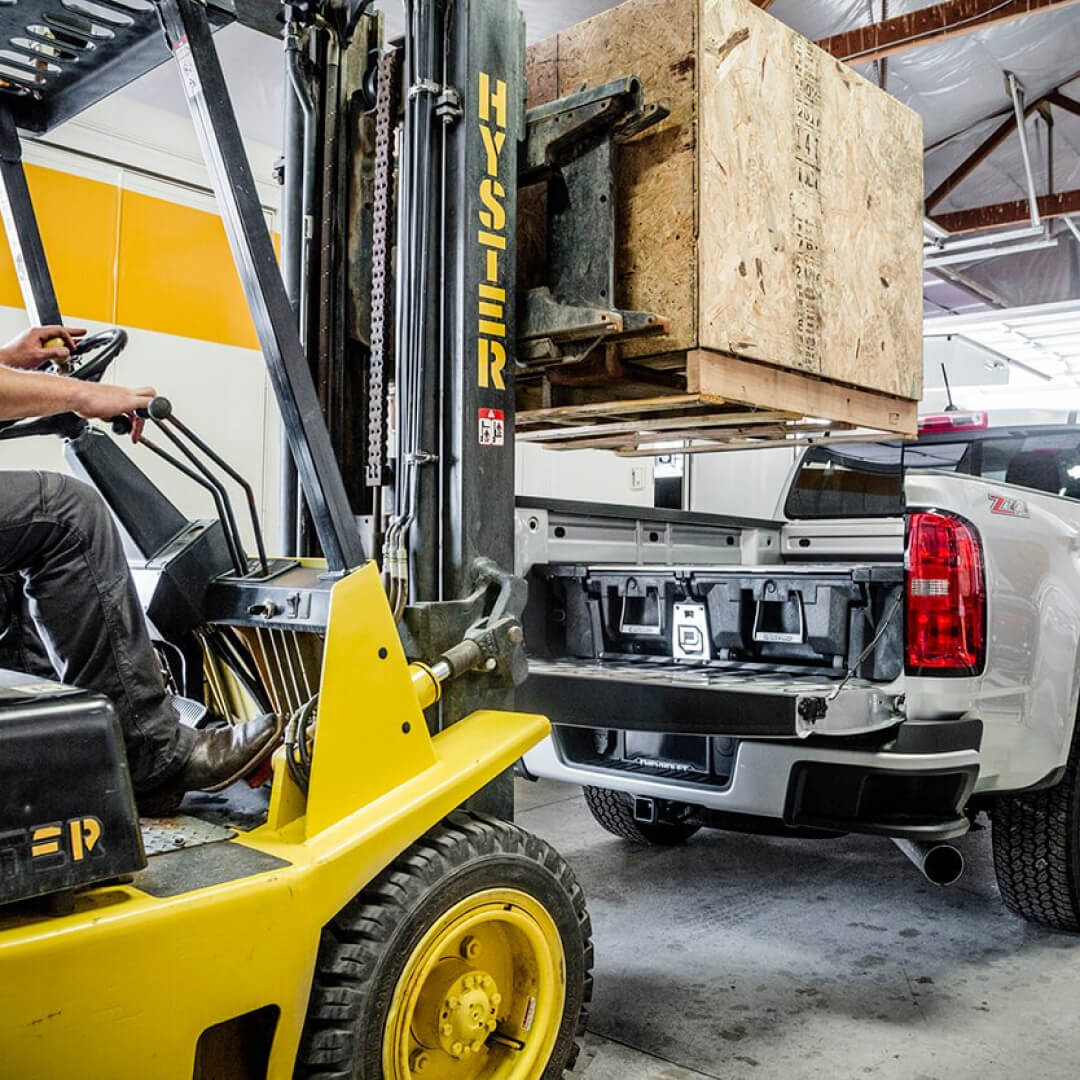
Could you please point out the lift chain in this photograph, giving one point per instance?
(382, 307)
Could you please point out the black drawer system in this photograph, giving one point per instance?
(822, 620)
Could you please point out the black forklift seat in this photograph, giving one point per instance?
(67, 811)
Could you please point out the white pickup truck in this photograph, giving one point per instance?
(896, 652)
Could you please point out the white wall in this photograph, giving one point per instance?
(125, 130)
(740, 482)
(585, 475)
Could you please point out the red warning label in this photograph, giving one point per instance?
(492, 427)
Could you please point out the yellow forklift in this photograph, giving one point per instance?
(369, 910)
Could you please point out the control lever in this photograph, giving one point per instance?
(161, 413)
(161, 410)
(122, 425)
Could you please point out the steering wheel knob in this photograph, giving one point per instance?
(160, 408)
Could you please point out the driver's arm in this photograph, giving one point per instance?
(33, 393)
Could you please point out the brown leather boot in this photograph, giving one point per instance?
(221, 756)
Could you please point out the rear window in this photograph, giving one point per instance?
(867, 479)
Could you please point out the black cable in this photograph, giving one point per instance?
(297, 755)
(228, 652)
(305, 753)
(293, 765)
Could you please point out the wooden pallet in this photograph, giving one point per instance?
(720, 410)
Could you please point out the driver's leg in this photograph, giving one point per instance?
(57, 533)
(21, 647)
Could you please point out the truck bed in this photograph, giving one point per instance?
(666, 621)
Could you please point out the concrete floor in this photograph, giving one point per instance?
(754, 958)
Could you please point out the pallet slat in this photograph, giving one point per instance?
(723, 387)
(657, 427)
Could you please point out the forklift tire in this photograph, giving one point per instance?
(614, 811)
(469, 956)
(1036, 842)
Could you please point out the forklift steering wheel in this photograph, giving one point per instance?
(89, 360)
(92, 356)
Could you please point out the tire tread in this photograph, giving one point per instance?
(1036, 844)
(356, 940)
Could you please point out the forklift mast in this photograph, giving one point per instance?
(430, 469)
(397, 266)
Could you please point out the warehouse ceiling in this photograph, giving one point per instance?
(958, 85)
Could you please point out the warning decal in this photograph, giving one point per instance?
(492, 427)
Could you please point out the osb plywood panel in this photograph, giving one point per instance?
(776, 215)
(656, 263)
(811, 208)
(542, 72)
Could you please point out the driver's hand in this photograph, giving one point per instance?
(100, 401)
(40, 344)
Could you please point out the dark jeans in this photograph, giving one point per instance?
(68, 609)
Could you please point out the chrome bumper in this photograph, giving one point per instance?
(759, 781)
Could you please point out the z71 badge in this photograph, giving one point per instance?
(1009, 507)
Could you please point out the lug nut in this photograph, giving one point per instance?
(456, 1049)
(470, 948)
(446, 1029)
(419, 1061)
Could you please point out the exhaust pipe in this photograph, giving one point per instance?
(940, 864)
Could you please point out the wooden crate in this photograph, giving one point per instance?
(775, 216)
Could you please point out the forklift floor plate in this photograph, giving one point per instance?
(189, 869)
(161, 835)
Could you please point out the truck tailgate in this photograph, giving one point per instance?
(660, 696)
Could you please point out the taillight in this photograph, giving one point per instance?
(946, 596)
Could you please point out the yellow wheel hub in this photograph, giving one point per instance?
(481, 995)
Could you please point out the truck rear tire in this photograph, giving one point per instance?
(469, 955)
(614, 811)
(1036, 840)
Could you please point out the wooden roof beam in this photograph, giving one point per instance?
(973, 161)
(1063, 204)
(1058, 99)
(1052, 98)
(941, 22)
